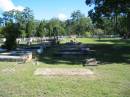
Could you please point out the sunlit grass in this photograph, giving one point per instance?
(97, 41)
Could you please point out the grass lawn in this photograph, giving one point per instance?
(112, 76)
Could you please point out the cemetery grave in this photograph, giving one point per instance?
(63, 71)
(21, 54)
(73, 49)
(24, 56)
(24, 53)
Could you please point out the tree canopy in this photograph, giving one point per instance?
(110, 9)
(15, 23)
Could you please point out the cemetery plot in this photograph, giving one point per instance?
(24, 56)
(63, 71)
(73, 49)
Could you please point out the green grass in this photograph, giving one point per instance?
(101, 41)
(111, 80)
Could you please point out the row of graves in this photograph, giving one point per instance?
(24, 53)
(27, 53)
(76, 50)
(73, 48)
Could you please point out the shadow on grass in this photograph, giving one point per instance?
(105, 53)
(116, 41)
(49, 57)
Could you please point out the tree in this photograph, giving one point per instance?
(29, 28)
(78, 24)
(68, 27)
(11, 29)
(41, 29)
(15, 23)
(84, 25)
(109, 8)
(76, 15)
(75, 22)
(11, 32)
(27, 21)
(27, 15)
(55, 27)
(122, 26)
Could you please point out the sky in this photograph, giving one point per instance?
(47, 9)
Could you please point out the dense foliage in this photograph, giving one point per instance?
(14, 24)
(116, 10)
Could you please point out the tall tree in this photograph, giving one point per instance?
(75, 21)
(109, 8)
(76, 15)
(29, 28)
(11, 32)
(55, 27)
(78, 24)
(27, 15)
(27, 21)
(15, 23)
(41, 29)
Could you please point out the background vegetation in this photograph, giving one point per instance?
(21, 24)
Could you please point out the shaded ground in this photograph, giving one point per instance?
(115, 41)
(105, 53)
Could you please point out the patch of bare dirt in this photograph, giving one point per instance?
(63, 71)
